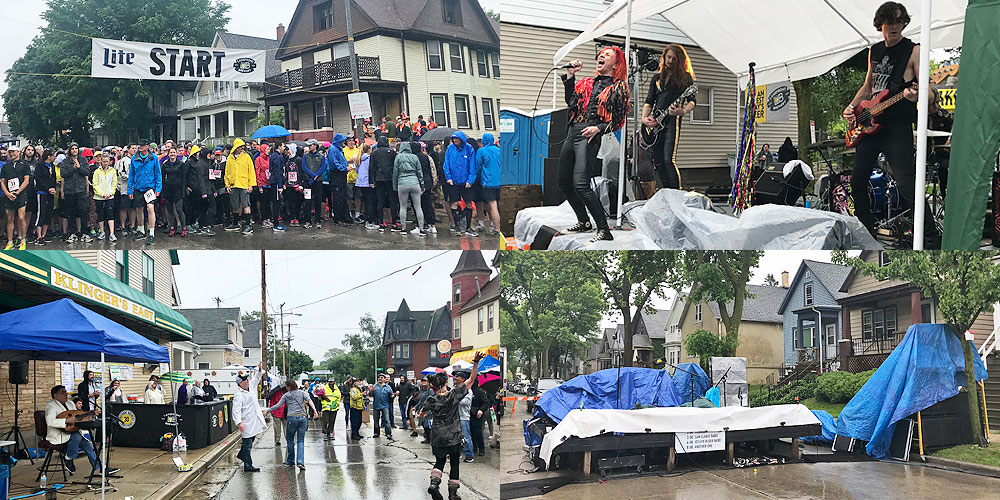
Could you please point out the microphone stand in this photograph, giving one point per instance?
(689, 373)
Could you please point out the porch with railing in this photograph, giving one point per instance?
(244, 94)
(337, 70)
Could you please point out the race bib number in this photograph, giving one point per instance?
(307, 193)
(214, 174)
(293, 176)
(149, 196)
(13, 184)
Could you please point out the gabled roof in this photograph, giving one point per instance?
(425, 324)
(471, 261)
(403, 312)
(762, 308)
(488, 293)
(251, 334)
(234, 41)
(656, 323)
(833, 277)
(209, 325)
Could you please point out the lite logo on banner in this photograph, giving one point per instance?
(150, 61)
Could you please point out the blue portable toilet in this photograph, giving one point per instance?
(523, 145)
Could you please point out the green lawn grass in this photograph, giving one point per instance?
(815, 404)
(972, 453)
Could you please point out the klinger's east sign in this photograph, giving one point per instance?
(87, 290)
(150, 61)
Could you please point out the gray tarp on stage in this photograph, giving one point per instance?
(680, 220)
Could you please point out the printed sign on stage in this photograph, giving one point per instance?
(692, 442)
(774, 102)
(948, 98)
(154, 61)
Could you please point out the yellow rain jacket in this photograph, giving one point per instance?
(357, 399)
(239, 170)
(331, 401)
(105, 182)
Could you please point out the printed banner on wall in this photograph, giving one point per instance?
(152, 61)
(774, 102)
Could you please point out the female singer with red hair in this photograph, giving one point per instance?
(674, 78)
(597, 106)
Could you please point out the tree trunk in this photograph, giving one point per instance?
(546, 369)
(973, 388)
(804, 100)
(628, 354)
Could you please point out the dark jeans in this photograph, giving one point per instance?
(385, 197)
(368, 201)
(244, 453)
(895, 140)
(223, 213)
(355, 423)
(383, 419)
(77, 206)
(329, 419)
(427, 202)
(314, 207)
(665, 154)
(478, 443)
(450, 453)
(338, 185)
(293, 197)
(403, 414)
(577, 163)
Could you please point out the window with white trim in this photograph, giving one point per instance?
(434, 58)
(495, 59)
(462, 115)
(481, 316)
(457, 62)
(489, 317)
(483, 63)
(808, 291)
(147, 276)
(697, 313)
(488, 114)
(456, 328)
(704, 108)
(439, 109)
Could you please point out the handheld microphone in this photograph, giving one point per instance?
(567, 65)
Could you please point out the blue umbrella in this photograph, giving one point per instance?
(270, 131)
(488, 363)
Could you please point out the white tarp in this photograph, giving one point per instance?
(589, 423)
(155, 61)
(788, 39)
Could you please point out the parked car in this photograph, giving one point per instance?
(543, 384)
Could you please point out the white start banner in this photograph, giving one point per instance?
(152, 61)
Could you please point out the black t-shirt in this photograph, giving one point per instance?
(662, 98)
(15, 170)
(888, 67)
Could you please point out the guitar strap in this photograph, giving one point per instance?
(896, 83)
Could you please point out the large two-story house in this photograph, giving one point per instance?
(812, 316)
(410, 338)
(435, 58)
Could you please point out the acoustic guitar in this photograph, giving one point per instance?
(79, 415)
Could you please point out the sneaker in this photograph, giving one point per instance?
(71, 238)
(279, 228)
(10, 246)
(432, 229)
(468, 460)
(267, 224)
(382, 228)
(86, 238)
(92, 232)
(302, 466)
(207, 232)
(414, 434)
(251, 469)
(112, 238)
(580, 227)
(482, 453)
(138, 236)
(39, 242)
(319, 226)
(23, 245)
(172, 232)
(111, 470)
(248, 229)
(603, 235)
(101, 236)
(294, 223)
(150, 240)
(371, 227)
(397, 228)
(307, 225)
(69, 466)
(184, 232)
(455, 230)
(470, 232)
(232, 227)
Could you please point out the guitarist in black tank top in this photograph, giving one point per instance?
(892, 64)
(674, 77)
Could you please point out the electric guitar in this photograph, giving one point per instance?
(647, 134)
(864, 122)
(79, 415)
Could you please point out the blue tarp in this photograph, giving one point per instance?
(66, 331)
(600, 390)
(925, 368)
(829, 429)
(682, 381)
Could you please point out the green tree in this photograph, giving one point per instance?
(550, 308)
(365, 347)
(962, 283)
(276, 117)
(721, 277)
(492, 15)
(705, 345)
(770, 280)
(630, 279)
(298, 363)
(824, 97)
(41, 108)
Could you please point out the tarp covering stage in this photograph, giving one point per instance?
(925, 368)
(788, 39)
(603, 390)
(690, 378)
(63, 330)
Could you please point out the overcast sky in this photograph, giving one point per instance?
(773, 262)
(247, 17)
(299, 277)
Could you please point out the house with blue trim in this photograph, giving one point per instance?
(812, 315)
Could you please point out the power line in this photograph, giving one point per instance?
(369, 282)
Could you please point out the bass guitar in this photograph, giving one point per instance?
(79, 416)
(648, 135)
(864, 122)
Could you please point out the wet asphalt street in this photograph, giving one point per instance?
(330, 237)
(373, 468)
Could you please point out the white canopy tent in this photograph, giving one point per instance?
(790, 40)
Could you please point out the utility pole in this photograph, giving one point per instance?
(288, 345)
(282, 339)
(263, 309)
(355, 85)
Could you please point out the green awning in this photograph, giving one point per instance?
(60, 272)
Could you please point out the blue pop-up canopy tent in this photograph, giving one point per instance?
(927, 367)
(606, 389)
(66, 331)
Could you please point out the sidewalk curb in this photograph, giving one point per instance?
(965, 466)
(176, 485)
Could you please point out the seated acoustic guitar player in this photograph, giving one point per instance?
(60, 417)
